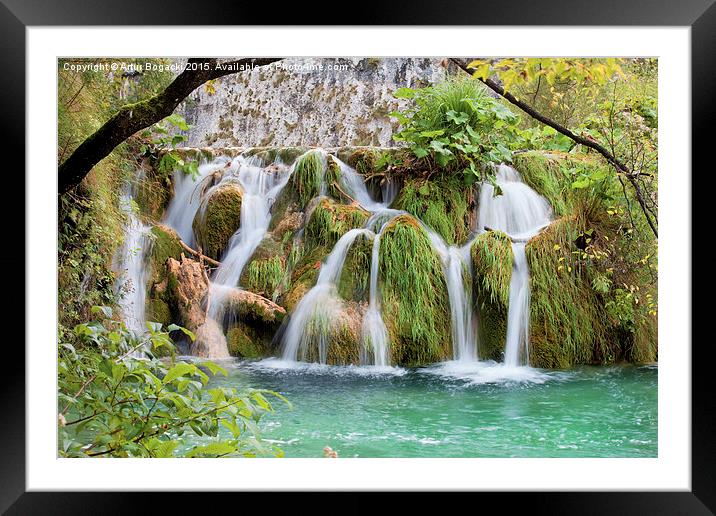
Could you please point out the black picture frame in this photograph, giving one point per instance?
(17, 15)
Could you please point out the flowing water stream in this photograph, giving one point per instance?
(521, 213)
(131, 263)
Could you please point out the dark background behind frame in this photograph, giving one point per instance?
(15, 15)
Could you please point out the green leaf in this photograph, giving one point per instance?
(179, 370)
(175, 327)
(215, 448)
(404, 93)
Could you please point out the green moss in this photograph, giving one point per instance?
(153, 194)
(354, 283)
(286, 155)
(329, 221)
(303, 276)
(567, 323)
(165, 245)
(308, 175)
(415, 301)
(218, 218)
(339, 330)
(158, 311)
(243, 343)
(492, 270)
(264, 276)
(367, 160)
(442, 203)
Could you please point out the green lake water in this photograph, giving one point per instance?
(457, 410)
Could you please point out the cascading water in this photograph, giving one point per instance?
(319, 307)
(187, 199)
(521, 213)
(131, 262)
(457, 266)
(374, 334)
(261, 186)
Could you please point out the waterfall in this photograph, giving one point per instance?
(457, 268)
(374, 334)
(261, 186)
(518, 315)
(186, 201)
(320, 306)
(521, 213)
(131, 262)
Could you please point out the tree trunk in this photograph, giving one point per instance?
(135, 117)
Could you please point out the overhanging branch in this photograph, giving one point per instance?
(631, 176)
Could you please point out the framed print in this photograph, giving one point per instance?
(431, 253)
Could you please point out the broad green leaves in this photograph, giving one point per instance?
(459, 126)
(113, 404)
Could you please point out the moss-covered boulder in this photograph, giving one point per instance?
(492, 270)
(443, 203)
(415, 301)
(354, 281)
(303, 275)
(265, 270)
(244, 342)
(333, 334)
(567, 323)
(218, 218)
(329, 221)
(165, 246)
(308, 176)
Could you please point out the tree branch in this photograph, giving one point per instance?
(621, 168)
(135, 117)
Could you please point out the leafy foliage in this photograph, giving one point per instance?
(116, 404)
(163, 136)
(459, 126)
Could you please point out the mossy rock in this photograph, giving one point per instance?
(303, 276)
(443, 203)
(218, 218)
(492, 270)
(308, 175)
(165, 245)
(367, 160)
(330, 220)
(354, 282)
(415, 301)
(243, 342)
(268, 155)
(153, 194)
(158, 311)
(567, 322)
(340, 330)
(266, 269)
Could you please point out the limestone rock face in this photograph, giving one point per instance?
(218, 218)
(307, 101)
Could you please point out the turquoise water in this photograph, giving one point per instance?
(453, 410)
